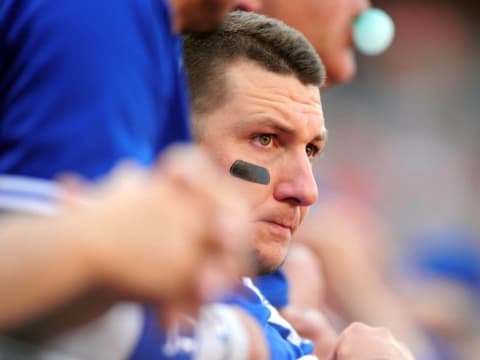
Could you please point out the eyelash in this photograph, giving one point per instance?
(314, 149)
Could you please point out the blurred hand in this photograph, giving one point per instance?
(362, 342)
(179, 235)
(313, 325)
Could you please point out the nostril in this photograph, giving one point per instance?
(294, 201)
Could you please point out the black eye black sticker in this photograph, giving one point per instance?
(250, 172)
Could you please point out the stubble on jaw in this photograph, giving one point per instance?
(260, 267)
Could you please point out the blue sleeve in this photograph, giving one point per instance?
(156, 343)
(84, 84)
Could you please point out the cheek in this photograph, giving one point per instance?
(257, 195)
(220, 153)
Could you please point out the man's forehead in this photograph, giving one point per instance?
(257, 89)
(244, 73)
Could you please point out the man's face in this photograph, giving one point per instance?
(276, 122)
(328, 26)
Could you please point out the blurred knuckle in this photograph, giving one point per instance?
(358, 327)
(384, 332)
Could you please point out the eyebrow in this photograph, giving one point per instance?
(279, 126)
(323, 136)
(268, 122)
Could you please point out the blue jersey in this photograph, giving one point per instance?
(274, 287)
(86, 83)
(283, 341)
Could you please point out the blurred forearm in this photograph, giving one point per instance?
(42, 265)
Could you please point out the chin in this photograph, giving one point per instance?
(270, 248)
(268, 264)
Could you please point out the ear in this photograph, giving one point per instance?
(249, 5)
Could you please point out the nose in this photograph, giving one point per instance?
(296, 183)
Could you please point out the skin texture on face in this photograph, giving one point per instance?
(277, 122)
(328, 26)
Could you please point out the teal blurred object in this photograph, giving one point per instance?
(373, 32)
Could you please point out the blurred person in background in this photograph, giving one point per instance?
(85, 86)
(328, 26)
(441, 273)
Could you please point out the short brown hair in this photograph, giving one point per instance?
(244, 35)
